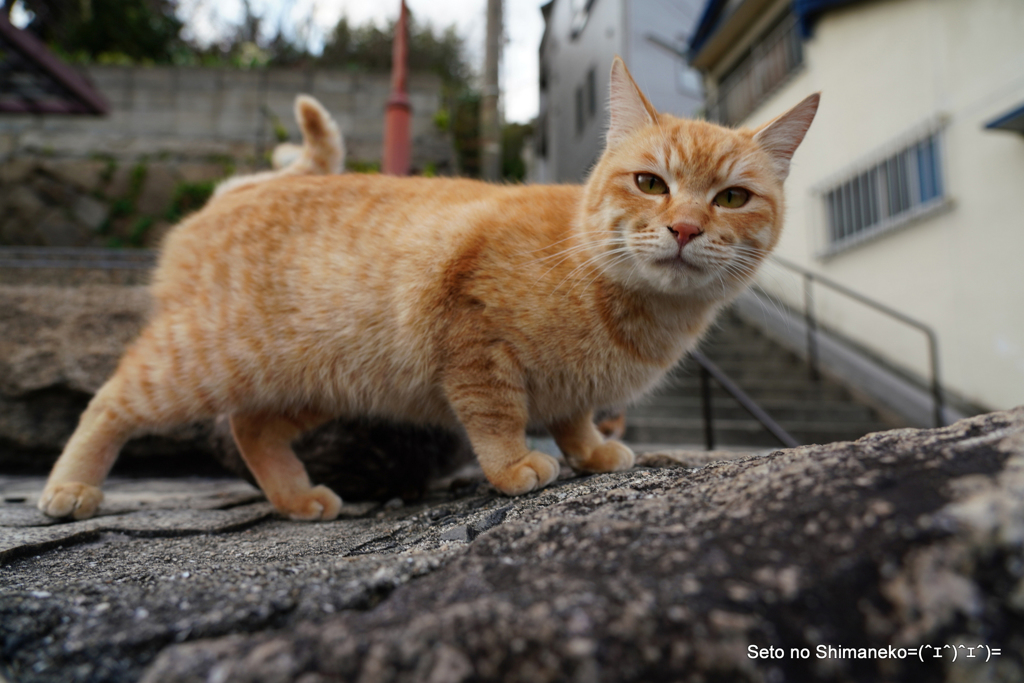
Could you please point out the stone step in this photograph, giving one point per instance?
(758, 388)
(780, 409)
(812, 411)
(642, 429)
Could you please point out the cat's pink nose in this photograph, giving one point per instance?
(684, 232)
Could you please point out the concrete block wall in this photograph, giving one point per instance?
(194, 112)
(62, 178)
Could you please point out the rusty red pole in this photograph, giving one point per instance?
(397, 146)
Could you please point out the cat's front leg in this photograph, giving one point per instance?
(488, 395)
(585, 448)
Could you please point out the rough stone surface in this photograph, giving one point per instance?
(909, 539)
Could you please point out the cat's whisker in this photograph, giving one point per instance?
(567, 253)
(616, 254)
(583, 245)
(546, 246)
(614, 263)
(568, 256)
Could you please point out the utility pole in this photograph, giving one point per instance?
(397, 146)
(490, 129)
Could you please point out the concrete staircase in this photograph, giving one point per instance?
(812, 411)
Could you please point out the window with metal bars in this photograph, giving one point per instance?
(900, 187)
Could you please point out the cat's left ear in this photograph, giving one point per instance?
(628, 109)
(781, 136)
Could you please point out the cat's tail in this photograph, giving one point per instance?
(322, 151)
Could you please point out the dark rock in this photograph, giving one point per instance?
(364, 459)
(903, 539)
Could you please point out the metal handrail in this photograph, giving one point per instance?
(709, 370)
(810, 277)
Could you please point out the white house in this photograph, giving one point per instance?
(908, 186)
(581, 37)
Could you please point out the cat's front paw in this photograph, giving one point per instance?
(73, 499)
(319, 503)
(536, 470)
(611, 456)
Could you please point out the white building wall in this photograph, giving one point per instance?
(667, 80)
(883, 68)
(615, 27)
(571, 153)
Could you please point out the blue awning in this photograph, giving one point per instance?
(1012, 120)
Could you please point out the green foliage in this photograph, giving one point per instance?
(140, 227)
(466, 132)
(360, 166)
(109, 167)
(189, 197)
(136, 180)
(280, 132)
(110, 31)
(513, 137)
(442, 120)
(369, 47)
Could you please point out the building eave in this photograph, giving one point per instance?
(719, 28)
(717, 34)
(79, 97)
(1012, 121)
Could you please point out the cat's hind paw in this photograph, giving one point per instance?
(536, 470)
(70, 499)
(611, 456)
(319, 503)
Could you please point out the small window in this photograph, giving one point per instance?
(580, 15)
(580, 115)
(902, 186)
(591, 93)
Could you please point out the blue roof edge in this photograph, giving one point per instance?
(1012, 120)
(807, 12)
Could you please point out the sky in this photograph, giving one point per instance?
(523, 28)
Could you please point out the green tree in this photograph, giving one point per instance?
(513, 137)
(369, 48)
(110, 30)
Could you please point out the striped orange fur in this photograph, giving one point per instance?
(445, 302)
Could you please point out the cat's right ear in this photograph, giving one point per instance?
(629, 109)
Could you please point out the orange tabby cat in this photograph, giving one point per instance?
(445, 302)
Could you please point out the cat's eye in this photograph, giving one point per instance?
(733, 198)
(651, 184)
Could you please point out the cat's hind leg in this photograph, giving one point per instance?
(147, 391)
(265, 444)
(73, 486)
(586, 449)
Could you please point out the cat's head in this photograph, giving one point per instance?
(684, 206)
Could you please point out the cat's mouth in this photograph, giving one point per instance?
(678, 262)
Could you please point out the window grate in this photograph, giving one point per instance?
(900, 187)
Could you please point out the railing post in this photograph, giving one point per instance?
(705, 395)
(812, 327)
(933, 353)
